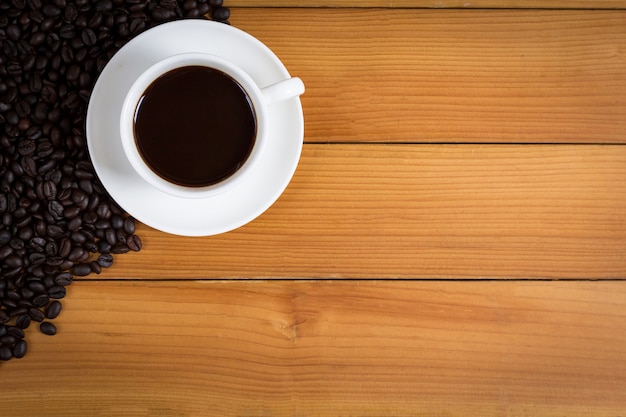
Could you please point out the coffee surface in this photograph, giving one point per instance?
(195, 126)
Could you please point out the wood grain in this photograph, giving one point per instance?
(438, 4)
(455, 211)
(540, 76)
(328, 349)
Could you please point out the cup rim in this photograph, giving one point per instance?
(164, 66)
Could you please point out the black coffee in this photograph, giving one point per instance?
(195, 126)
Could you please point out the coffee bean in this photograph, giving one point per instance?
(161, 14)
(117, 221)
(51, 10)
(36, 314)
(48, 94)
(8, 339)
(37, 287)
(19, 350)
(63, 279)
(57, 292)
(129, 225)
(134, 243)
(23, 321)
(13, 32)
(70, 13)
(5, 352)
(15, 331)
(105, 260)
(111, 236)
(119, 249)
(67, 32)
(95, 267)
(89, 37)
(81, 270)
(220, 13)
(53, 309)
(41, 300)
(26, 147)
(48, 328)
(19, 4)
(55, 231)
(13, 261)
(104, 5)
(72, 73)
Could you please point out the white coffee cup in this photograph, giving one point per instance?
(261, 99)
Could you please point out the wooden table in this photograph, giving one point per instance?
(453, 242)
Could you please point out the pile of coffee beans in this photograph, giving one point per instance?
(56, 219)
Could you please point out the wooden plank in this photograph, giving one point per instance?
(428, 211)
(453, 75)
(328, 349)
(437, 4)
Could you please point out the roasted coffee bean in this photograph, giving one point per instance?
(104, 5)
(221, 13)
(67, 32)
(89, 37)
(70, 13)
(119, 249)
(5, 353)
(103, 211)
(48, 328)
(49, 192)
(136, 25)
(55, 231)
(81, 270)
(111, 236)
(78, 237)
(23, 321)
(36, 314)
(57, 292)
(51, 10)
(41, 111)
(13, 261)
(72, 73)
(161, 14)
(105, 260)
(134, 243)
(48, 94)
(29, 165)
(5, 252)
(40, 300)
(74, 224)
(129, 225)
(95, 267)
(26, 147)
(53, 309)
(117, 221)
(63, 279)
(37, 286)
(22, 108)
(13, 32)
(19, 350)
(8, 339)
(15, 331)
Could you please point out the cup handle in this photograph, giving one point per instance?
(283, 90)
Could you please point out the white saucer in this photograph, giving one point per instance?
(192, 217)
